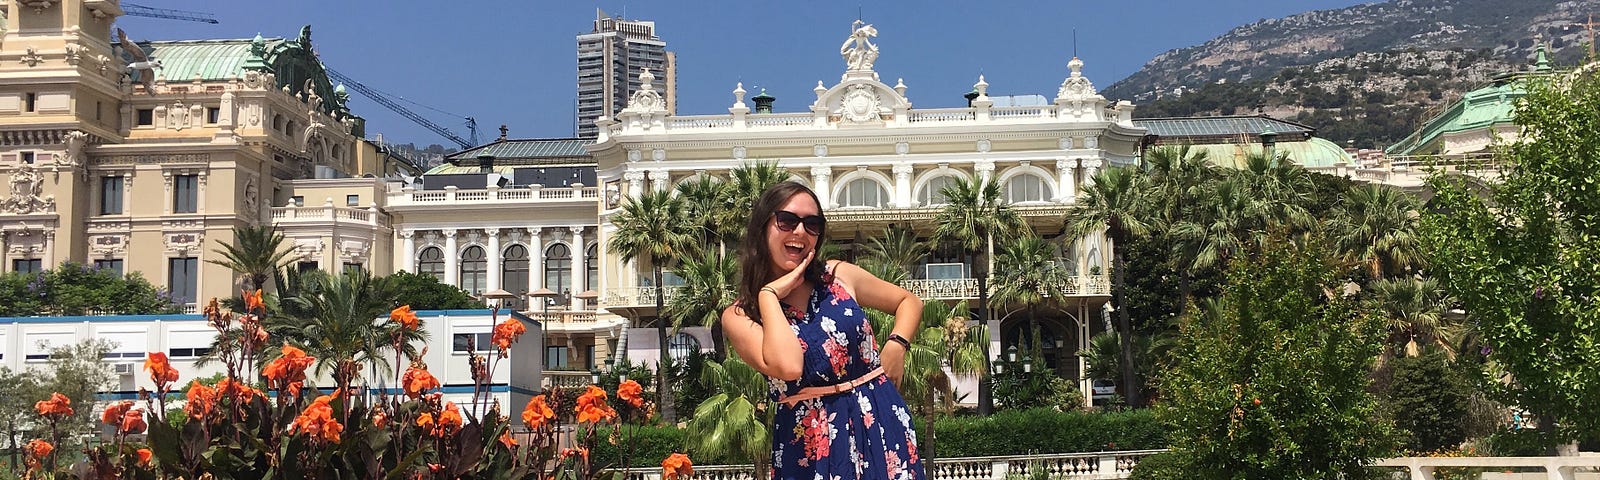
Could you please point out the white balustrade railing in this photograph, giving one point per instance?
(688, 123)
(568, 379)
(1019, 112)
(943, 115)
(778, 120)
(562, 317)
(1093, 465)
(637, 296)
(452, 196)
(932, 289)
(326, 213)
(1554, 468)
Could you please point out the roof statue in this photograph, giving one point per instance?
(858, 51)
(141, 63)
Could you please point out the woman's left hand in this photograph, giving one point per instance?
(893, 358)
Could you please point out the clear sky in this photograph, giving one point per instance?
(513, 61)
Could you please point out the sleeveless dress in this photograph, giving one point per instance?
(861, 434)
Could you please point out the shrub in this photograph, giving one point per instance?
(1049, 432)
(1428, 401)
(649, 445)
(1161, 466)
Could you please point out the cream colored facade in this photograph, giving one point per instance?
(106, 164)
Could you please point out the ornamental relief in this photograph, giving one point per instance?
(108, 245)
(183, 242)
(27, 187)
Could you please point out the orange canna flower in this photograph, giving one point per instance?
(418, 380)
(379, 419)
(405, 317)
(113, 414)
(449, 420)
(161, 371)
(133, 422)
(425, 422)
(592, 406)
(505, 439)
(317, 421)
(239, 392)
(58, 406)
(630, 391)
(676, 466)
(200, 400)
(144, 456)
(252, 301)
(288, 371)
(507, 333)
(575, 452)
(537, 413)
(39, 448)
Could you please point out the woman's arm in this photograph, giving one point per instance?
(771, 347)
(874, 293)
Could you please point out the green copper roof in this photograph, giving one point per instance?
(1177, 128)
(532, 149)
(1481, 108)
(1310, 153)
(212, 60)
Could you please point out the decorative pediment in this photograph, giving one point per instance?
(861, 101)
(1077, 97)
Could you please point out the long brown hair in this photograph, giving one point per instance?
(755, 261)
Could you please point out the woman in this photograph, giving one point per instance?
(800, 322)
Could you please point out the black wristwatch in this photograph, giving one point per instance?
(896, 338)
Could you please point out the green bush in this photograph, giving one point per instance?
(1161, 466)
(1428, 401)
(1525, 442)
(650, 445)
(1049, 431)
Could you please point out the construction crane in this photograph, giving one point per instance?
(137, 10)
(390, 103)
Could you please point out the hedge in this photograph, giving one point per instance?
(651, 445)
(1047, 431)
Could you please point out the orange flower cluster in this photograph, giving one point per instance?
(405, 317)
(288, 371)
(676, 466)
(144, 456)
(630, 391)
(124, 417)
(253, 303)
(507, 333)
(379, 419)
(240, 392)
(417, 380)
(575, 452)
(592, 406)
(317, 421)
(58, 406)
(446, 423)
(37, 449)
(201, 399)
(537, 413)
(505, 439)
(161, 371)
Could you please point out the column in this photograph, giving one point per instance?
(902, 185)
(635, 181)
(535, 258)
(1090, 167)
(452, 259)
(409, 262)
(658, 180)
(580, 268)
(50, 248)
(5, 263)
(494, 257)
(1065, 178)
(820, 175)
(985, 169)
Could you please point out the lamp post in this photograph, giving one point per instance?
(544, 295)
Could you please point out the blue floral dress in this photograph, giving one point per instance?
(861, 434)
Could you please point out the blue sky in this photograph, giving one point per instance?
(512, 61)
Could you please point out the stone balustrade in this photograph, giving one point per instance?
(451, 196)
(292, 214)
(1094, 465)
(1553, 468)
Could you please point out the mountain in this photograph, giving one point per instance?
(1367, 74)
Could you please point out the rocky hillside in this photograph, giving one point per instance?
(1367, 74)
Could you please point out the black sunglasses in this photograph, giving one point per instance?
(787, 221)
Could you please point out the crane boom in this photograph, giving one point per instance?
(384, 100)
(137, 10)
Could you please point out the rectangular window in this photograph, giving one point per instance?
(946, 271)
(352, 200)
(189, 343)
(212, 114)
(188, 352)
(182, 278)
(27, 265)
(479, 341)
(352, 268)
(306, 267)
(147, 117)
(99, 111)
(30, 102)
(185, 193)
(114, 265)
(124, 345)
(37, 346)
(111, 195)
(555, 358)
(27, 157)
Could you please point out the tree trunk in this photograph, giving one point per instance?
(1130, 386)
(985, 386)
(719, 342)
(663, 393)
(927, 452)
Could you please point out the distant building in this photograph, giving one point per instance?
(610, 59)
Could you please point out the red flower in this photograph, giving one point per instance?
(676, 466)
(592, 406)
(252, 302)
(417, 380)
(536, 413)
(404, 317)
(449, 420)
(630, 391)
(58, 406)
(288, 371)
(161, 371)
(38, 448)
(132, 422)
(507, 333)
(238, 391)
(113, 414)
(505, 439)
(144, 456)
(201, 399)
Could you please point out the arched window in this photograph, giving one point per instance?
(1026, 188)
(681, 345)
(558, 270)
(933, 192)
(474, 270)
(431, 262)
(591, 262)
(514, 273)
(863, 192)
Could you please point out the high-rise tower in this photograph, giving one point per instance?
(610, 59)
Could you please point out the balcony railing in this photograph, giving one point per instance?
(890, 214)
(455, 197)
(938, 289)
(291, 214)
(1095, 465)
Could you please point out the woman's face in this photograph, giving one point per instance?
(788, 248)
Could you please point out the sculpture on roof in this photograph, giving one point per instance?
(858, 51)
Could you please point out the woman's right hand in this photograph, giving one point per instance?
(792, 280)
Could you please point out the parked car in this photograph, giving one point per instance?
(1103, 391)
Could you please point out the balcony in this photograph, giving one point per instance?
(291, 215)
(1042, 214)
(453, 197)
(632, 301)
(568, 321)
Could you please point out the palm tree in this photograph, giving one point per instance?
(1030, 275)
(1376, 227)
(736, 421)
(944, 339)
(898, 249)
(1414, 312)
(655, 226)
(343, 321)
(256, 253)
(1179, 177)
(1114, 200)
(750, 180)
(707, 288)
(710, 203)
(975, 215)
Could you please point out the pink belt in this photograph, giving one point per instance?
(814, 392)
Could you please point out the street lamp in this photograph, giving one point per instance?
(1011, 353)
